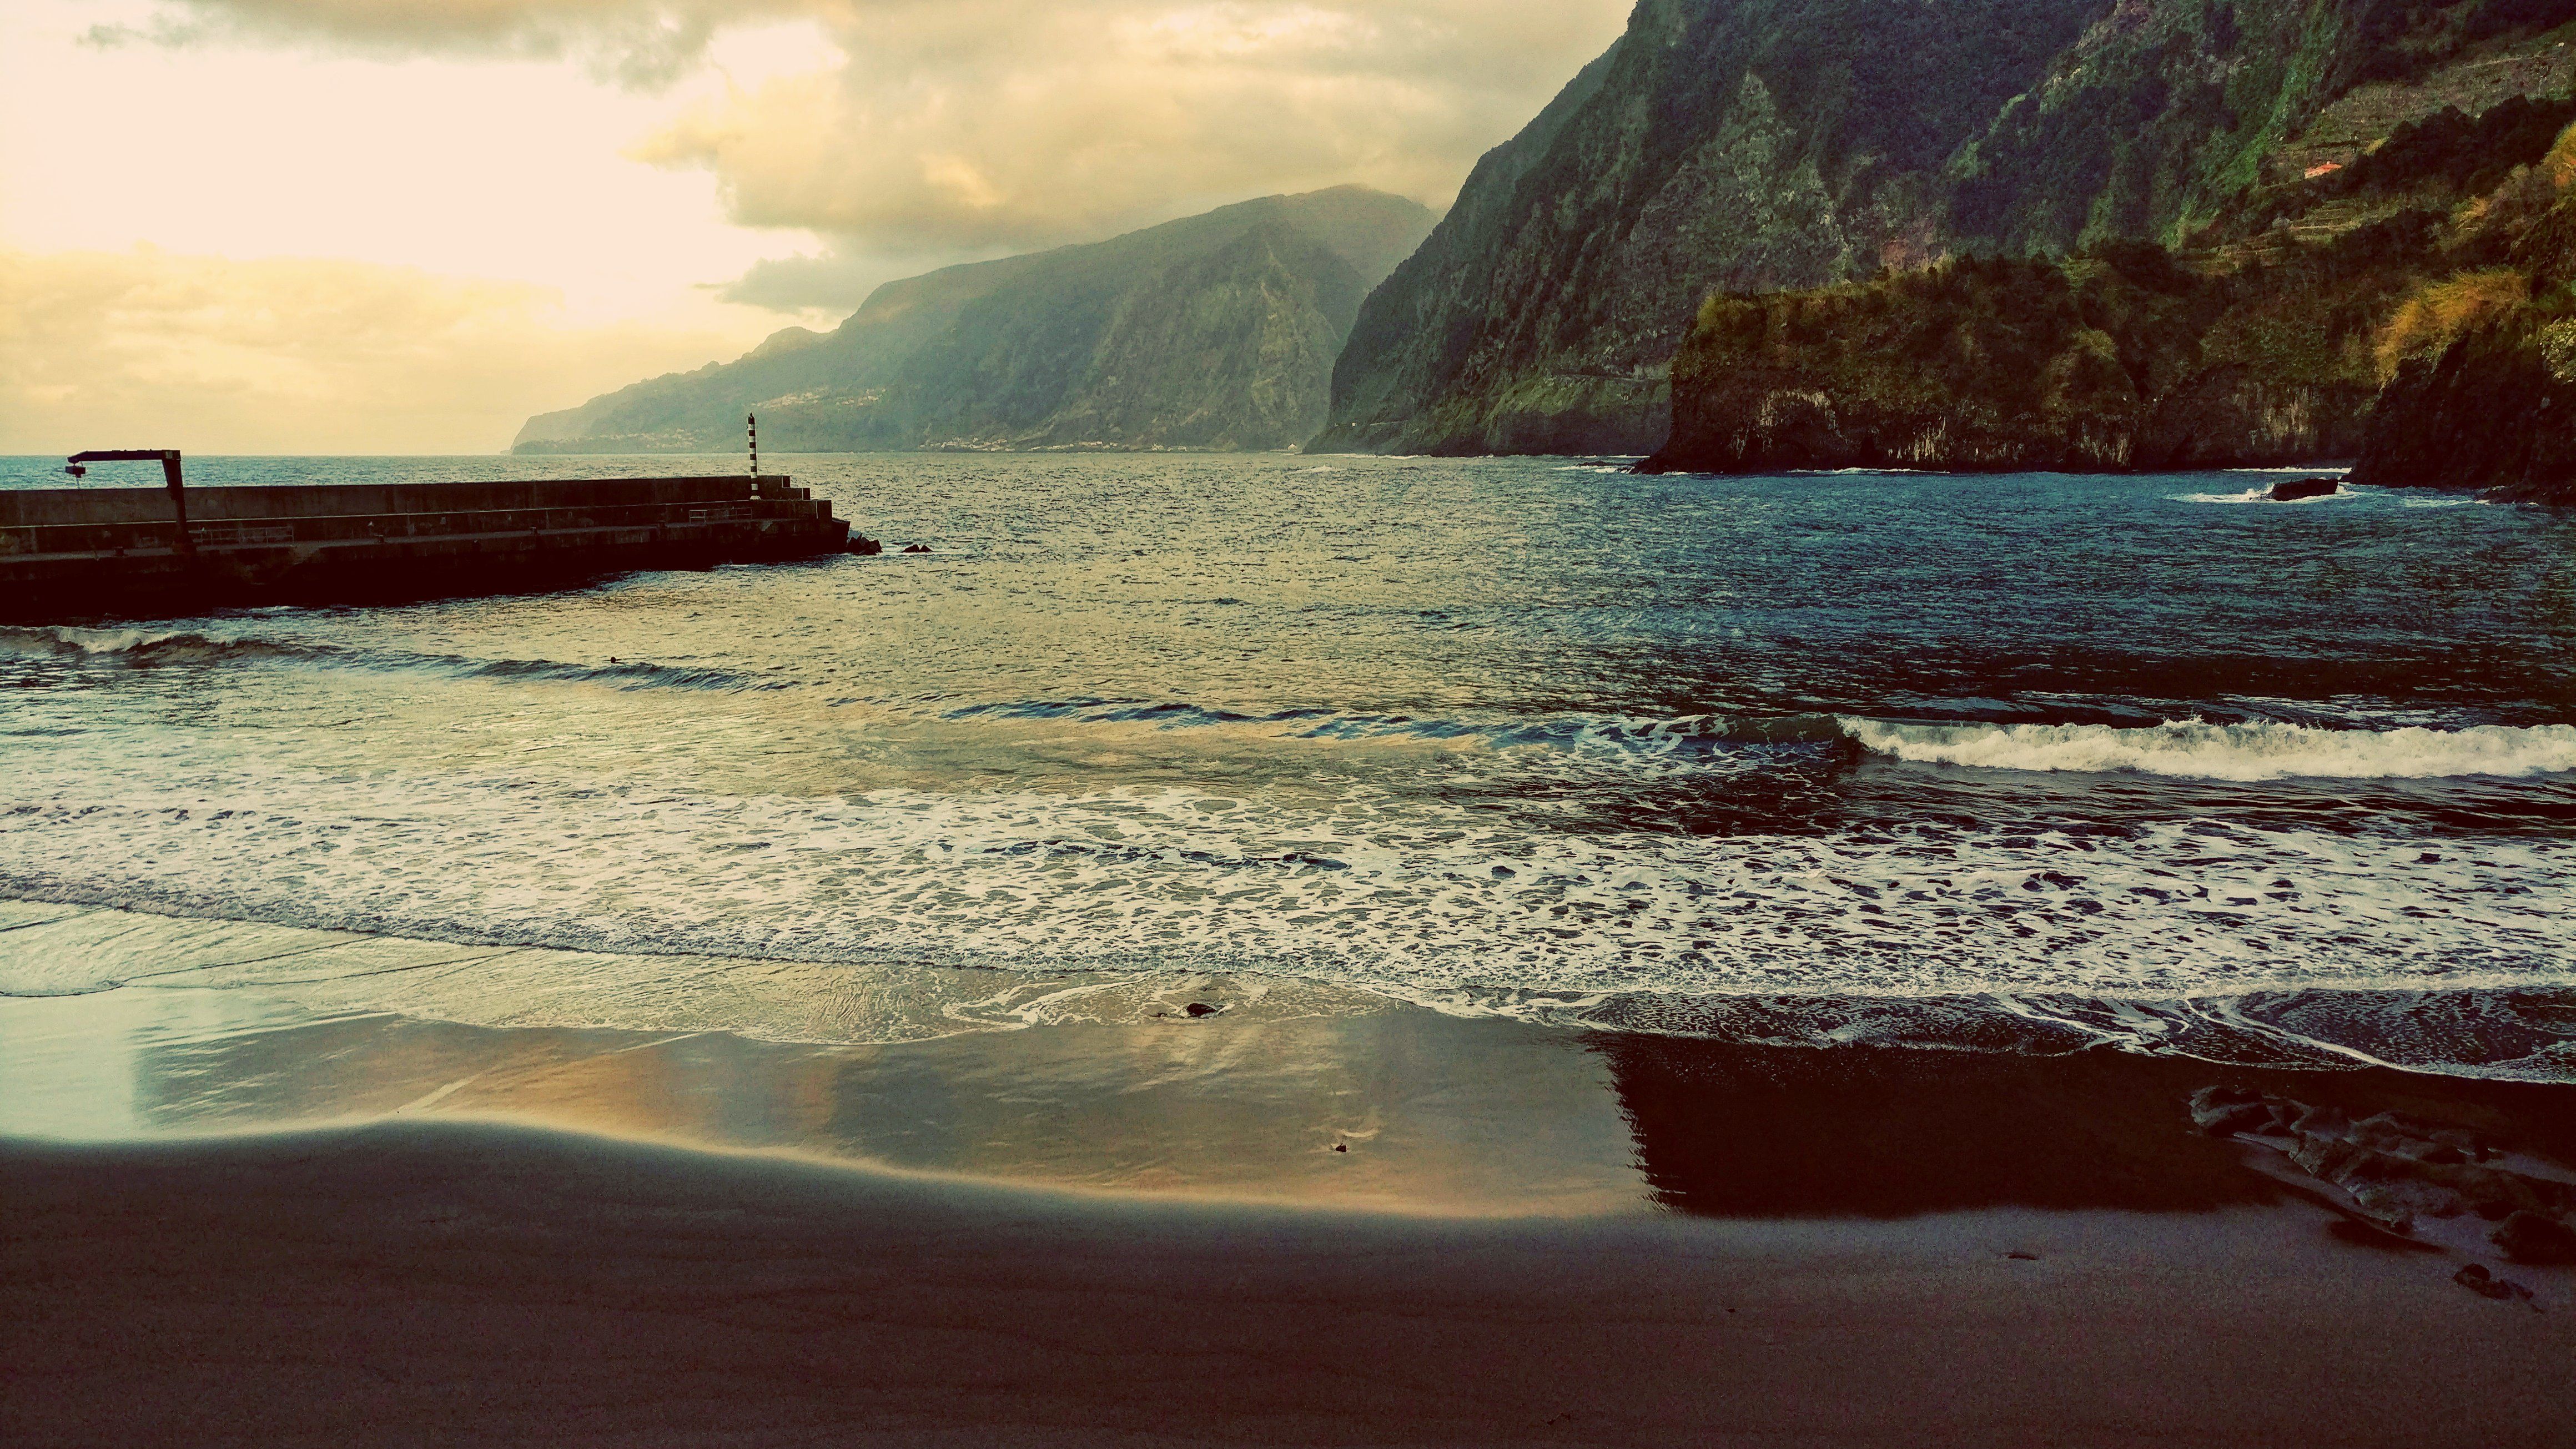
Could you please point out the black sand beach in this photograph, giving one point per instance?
(1864, 1246)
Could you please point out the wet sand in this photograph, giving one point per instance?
(455, 1282)
(1391, 1227)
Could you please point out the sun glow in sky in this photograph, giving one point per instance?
(405, 225)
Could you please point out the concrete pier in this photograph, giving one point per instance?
(74, 553)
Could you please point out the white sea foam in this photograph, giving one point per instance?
(2264, 495)
(1384, 892)
(2242, 752)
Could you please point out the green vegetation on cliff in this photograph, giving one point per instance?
(1742, 146)
(2481, 364)
(2116, 359)
(2421, 263)
(1218, 331)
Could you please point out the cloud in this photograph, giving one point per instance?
(834, 283)
(969, 125)
(295, 355)
(976, 124)
(642, 43)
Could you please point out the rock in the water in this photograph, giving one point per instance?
(916, 548)
(2528, 1237)
(2291, 490)
(1201, 1008)
(860, 543)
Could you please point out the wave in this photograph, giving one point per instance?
(2261, 495)
(2491, 1030)
(2260, 750)
(1363, 887)
(1701, 736)
(145, 647)
(2186, 749)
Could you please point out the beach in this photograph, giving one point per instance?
(426, 1283)
(1282, 950)
(1520, 1235)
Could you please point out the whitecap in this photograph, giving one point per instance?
(2260, 750)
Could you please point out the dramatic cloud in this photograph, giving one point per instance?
(882, 137)
(964, 126)
(644, 43)
(291, 355)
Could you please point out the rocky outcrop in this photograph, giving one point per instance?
(1218, 332)
(2495, 411)
(2119, 360)
(2398, 1172)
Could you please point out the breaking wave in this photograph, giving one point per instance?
(2260, 750)
(2242, 752)
(144, 648)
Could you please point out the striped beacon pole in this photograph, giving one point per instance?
(751, 426)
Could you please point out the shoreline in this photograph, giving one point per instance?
(446, 1281)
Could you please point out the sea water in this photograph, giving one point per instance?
(2024, 762)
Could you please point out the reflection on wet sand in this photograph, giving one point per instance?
(1400, 1109)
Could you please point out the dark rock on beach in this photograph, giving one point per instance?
(2478, 1280)
(2228, 1111)
(2527, 1237)
(2395, 1169)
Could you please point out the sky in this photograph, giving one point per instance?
(404, 226)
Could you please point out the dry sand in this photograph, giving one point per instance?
(460, 1282)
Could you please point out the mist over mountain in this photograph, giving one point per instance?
(1216, 331)
(1736, 148)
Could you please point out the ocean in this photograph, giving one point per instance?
(2025, 763)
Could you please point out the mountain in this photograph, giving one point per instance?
(2401, 309)
(1749, 146)
(1217, 331)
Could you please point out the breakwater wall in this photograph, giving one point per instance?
(71, 553)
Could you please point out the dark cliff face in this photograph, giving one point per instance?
(1218, 331)
(2262, 341)
(1737, 146)
(1744, 146)
(2494, 408)
(2118, 359)
(2496, 411)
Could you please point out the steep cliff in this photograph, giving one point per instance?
(2117, 359)
(2495, 411)
(1745, 146)
(2483, 389)
(1217, 331)
(2264, 340)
